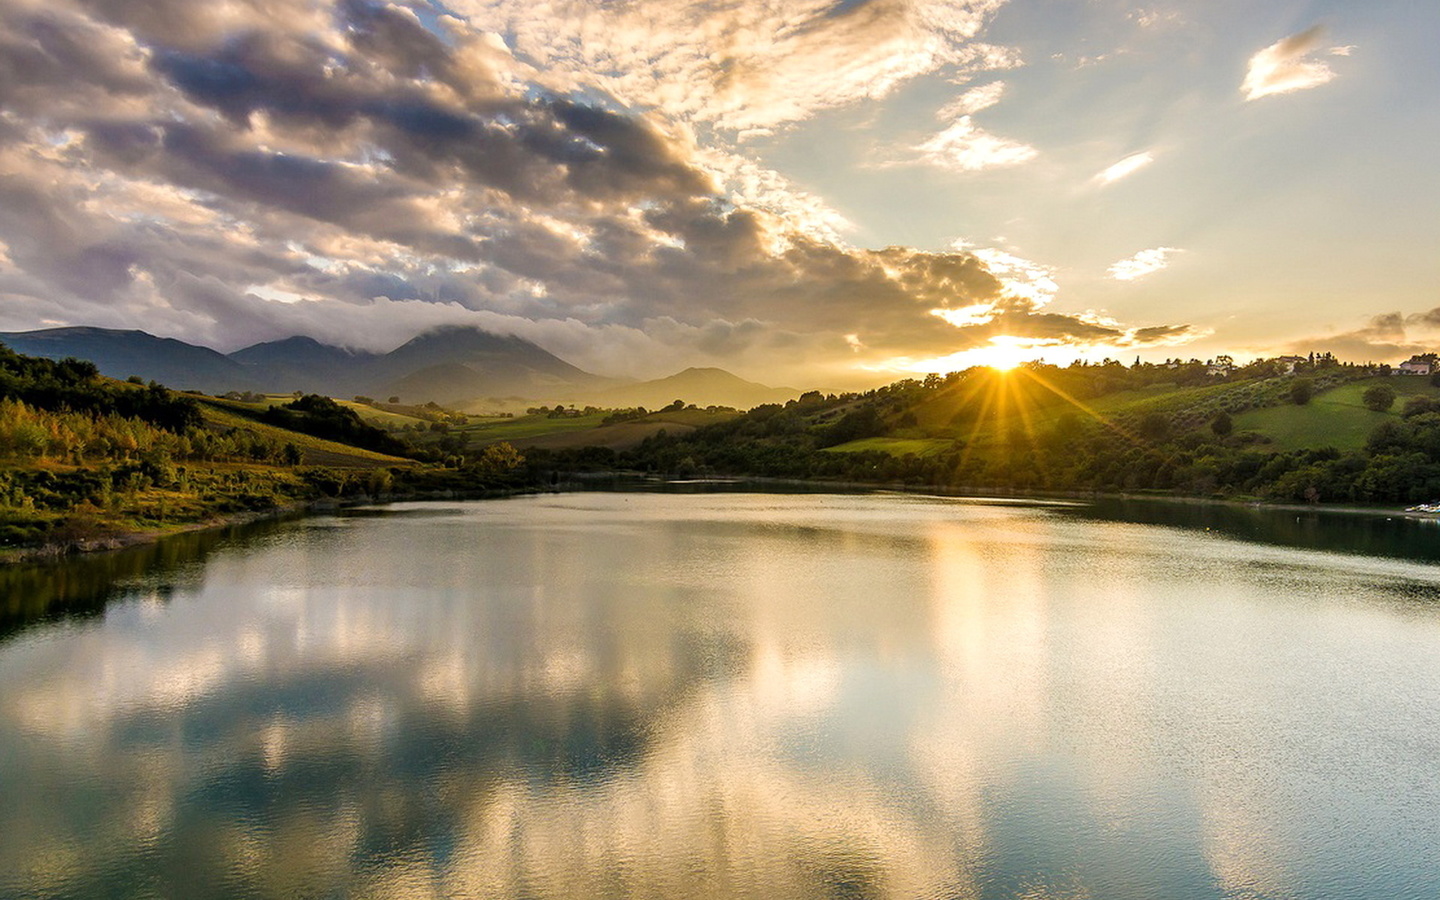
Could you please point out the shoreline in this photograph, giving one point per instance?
(56, 552)
(982, 493)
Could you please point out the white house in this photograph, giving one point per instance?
(1414, 366)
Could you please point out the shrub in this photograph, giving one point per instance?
(1379, 398)
(1301, 390)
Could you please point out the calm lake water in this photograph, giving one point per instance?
(732, 695)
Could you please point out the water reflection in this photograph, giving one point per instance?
(80, 587)
(1365, 533)
(740, 695)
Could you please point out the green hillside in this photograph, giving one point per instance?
(87, 461)
(1335, 418)
(227, 415)
(589, 430)
(894, 446)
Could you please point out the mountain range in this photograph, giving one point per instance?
(455, 366)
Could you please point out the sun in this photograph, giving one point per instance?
(1003, 353)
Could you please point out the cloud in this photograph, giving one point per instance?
(973, 101)
(744, 65)
(1017, 317)
(1143, 263)
(965, 147)
(1156, 18)
(1127, 166)
(1283, 66)
(1387, 337)
(229, 173)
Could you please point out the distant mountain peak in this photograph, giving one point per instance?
(701, 385)
(462, 338)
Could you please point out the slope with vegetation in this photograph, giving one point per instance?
(89, 461)
(1319, 433)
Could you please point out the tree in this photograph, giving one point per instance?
(1379, 397)
(1301, 391)
(1155, 426)
(1221, 424)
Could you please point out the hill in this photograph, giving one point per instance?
(700, 386)
(595, 429)
(1262, 432)
(90, 461)
(1335, 418)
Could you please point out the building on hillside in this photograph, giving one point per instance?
(1289, 363)
(1415, 365)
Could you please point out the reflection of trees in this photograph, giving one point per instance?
(1337, 532)
(80, 586)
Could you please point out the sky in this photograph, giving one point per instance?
(832, 193)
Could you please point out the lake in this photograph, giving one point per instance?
(732, 695)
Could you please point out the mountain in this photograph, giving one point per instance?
(304, 364)
(454, 366)
(702, 387)
(120, 354)
(461, 366)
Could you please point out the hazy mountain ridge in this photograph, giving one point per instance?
(701, 386)
(455, 366)
(123, 353)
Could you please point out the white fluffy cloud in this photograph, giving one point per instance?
(973, 101)
(1143, 263)
(743, 65)
(1286, 66)
(1127, 166)
(966, 147)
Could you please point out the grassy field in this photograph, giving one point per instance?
(520, 428)
(225, 414)
(1336, 418)
(587, 431)
(620, 436)
(894, 446)
(382, 417)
